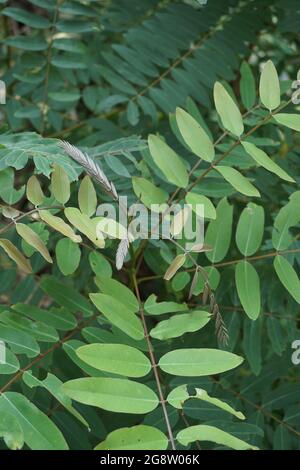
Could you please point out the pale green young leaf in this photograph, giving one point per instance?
(194, 136)
(33, 240)
(266, 162)
(269, 88)
(147, 192)
(34, 191)
(59, 225)
(87, 197)
(238, 181)
(168, 161)
(60, 184)
(228, 111)
(195, 199)
(12, 251)
(289, 120)
(85, 225)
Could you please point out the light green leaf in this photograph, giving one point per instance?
(227, 110)
(198, 362)
(269, 88)
(33, 240)
(60, 184)
(288, 277)
(118, 290)
(118, 395)
(168, 161)
(194, 136)
(147, 192)
(203, 432)
(87, 197)
(152, 307)
(178, 396)
(115, 358)
(85, 225)
(138, 437)
(198, 199)
(263, 160)
(40, 433)
(100, 265)
(110, 227)
(68, 256)
(34, 191)
(119, 315)
(177, 325)
(218, 233)
(238, 181)
(59, 225)
(248, 288)
(12, 251)
(289, 120)
(250, 229)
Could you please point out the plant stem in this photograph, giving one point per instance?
(154, 365)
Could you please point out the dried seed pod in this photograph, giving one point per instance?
(91, 167)
(206, 293)
(193, 284)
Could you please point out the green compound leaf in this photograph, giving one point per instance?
(227, 110)
(194, 136)
(269, 88)
(116, 358)
(248, 287)
(198, 362)
(203, 432)
(168, 161)
(139, 437)
(118, 395)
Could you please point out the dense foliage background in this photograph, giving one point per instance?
(103, 75)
